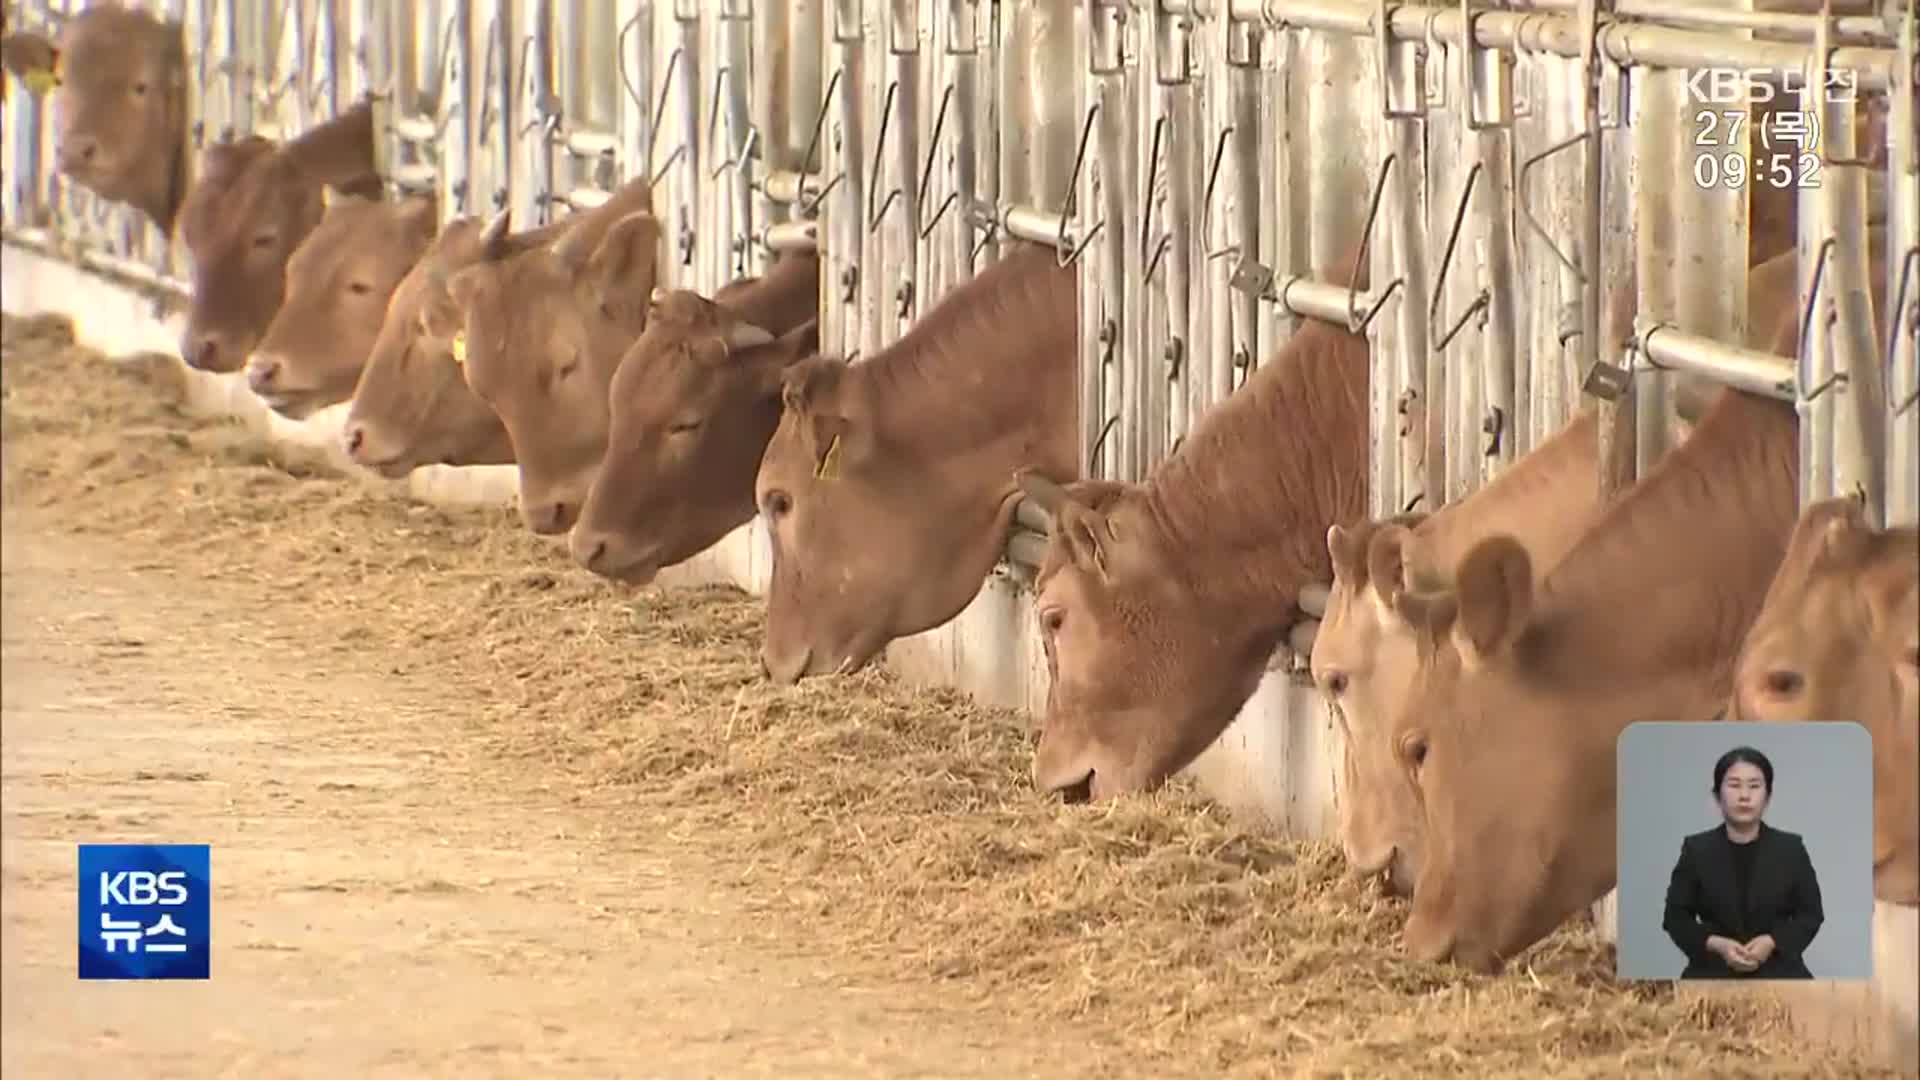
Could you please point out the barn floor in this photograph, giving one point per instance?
(474, 810)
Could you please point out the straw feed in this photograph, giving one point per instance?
(894, 826)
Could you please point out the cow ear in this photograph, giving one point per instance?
(627, 258)
(810, 391)
(1075, 521)
(1387, 561)
(1495, 594)
(1838, 528)
(1346, 550)
(1890, 586)
(32, 57)
(224, 160)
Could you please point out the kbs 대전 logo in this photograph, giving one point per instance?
(144, 911)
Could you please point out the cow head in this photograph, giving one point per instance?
(692, 407)
(253, 204)
(339, 282)
(1149, 656)
(248, 210)
(543, 335)
(1839, 639)
(1490, 722)
(1363, 660)
(120, 105)
(412, 406)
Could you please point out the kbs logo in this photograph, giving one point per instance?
(144, 911)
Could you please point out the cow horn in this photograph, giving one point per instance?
(745, 335)
(1049, 496)
(493, 239)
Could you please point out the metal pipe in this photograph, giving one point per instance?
(788, 188)
(1666, 347)
(1312, 299)
(1313, 599)
(1034, 224)
(1859, 28)
(1637, 44)
(791, 236)
(1902, 304)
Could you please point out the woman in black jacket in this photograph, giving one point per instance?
(1743, 902)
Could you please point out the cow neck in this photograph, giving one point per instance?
(1674, 572)
(993, 362)
(784, 299)
(1527, 499)
(337, 152)
(1249, 496)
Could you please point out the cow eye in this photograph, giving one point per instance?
(1052, 619)
(359, 288)
(265, 240)
(778, 503)
(140, 89)
(1413, 749)
(684, 427)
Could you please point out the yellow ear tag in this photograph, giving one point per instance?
(44, 80)
(459, 347)
(829, 462)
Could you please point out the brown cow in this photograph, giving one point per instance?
(888, 485)
(1520, 692)
(339, 282)
(252, 205)
(1363, 653)
(121, 106)
(692, 407)
(1160, 603)
(412, 407)
(1839, 639)
(544, 333)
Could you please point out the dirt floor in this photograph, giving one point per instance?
(474, 810)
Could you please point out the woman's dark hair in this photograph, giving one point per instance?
(1737, 755)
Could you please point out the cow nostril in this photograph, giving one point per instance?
(599, 551)
(356, 437)
(1783, 683)
(1078, 792)
(203, 353)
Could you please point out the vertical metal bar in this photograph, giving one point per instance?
(1665, 163)
(456, 95)
(1857, 394)
(1402, 410)
(1123, 205)
(1247, 42)
(735, 109)
(1902, 304)
(1817, 396)
(1489, 105)
(1167, 248)
(899, 193)
(847, 198)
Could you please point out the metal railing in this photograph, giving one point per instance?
(1200, 161)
